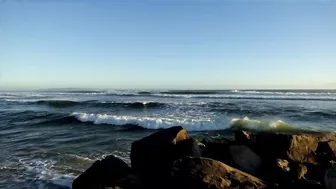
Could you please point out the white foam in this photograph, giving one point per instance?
(191, 124)
(125, 156)
(42, 99)
(247, 123)
(44, 173)
(21, 100)
(128, 102)
(82, 157)
(293, 93)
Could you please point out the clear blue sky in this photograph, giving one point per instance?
(194, 44)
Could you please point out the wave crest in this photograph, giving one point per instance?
(151, 122)
(257, 125)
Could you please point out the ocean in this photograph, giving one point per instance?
(47, 138)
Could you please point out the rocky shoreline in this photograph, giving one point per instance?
(170, 159)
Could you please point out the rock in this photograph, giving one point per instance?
(325, 153)
(300, 172)
(129, 182)
(217, 149)
(244, 137)
(153, 156)
(289, 175)
(204, 173)
(330, 177)
(283, 165)
(245, 159)
(299, 148)
(189, 147)
(279, 172)
(305, 184)
(102, 173)
(228, 152)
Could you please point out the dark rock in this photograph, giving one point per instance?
(299, 148)
(102, 173)
(129, 182)
(289, 175)
(305, 184)
(324, 152)
(300, 171)
(279, 172)
(244, 137)
(245, 159)
(217, 149)
(153, 156)
(308, 155)
(204, 173)
(233, 154)
(283, 165)
(315, 172)
(330, 178)
(189, 147)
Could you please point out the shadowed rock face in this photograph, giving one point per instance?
(153, 155)
(245, 159)
(217, 149)
(330, 178)
(102, 173)
(325, 153)
(204, 173)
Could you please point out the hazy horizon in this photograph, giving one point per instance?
(161, 89)
(168, 45)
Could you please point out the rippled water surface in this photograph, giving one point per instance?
(48, 138)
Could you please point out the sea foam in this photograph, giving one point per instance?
(191, 124)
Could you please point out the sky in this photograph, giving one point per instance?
(168, 44)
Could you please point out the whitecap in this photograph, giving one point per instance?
(191, 124)
(261, 125)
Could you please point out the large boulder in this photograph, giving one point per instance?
(218, 149)
(245, 159)
(153, 156)
(301, 148)
(102, 173)
(325, 153)
(284, 173)
(204, 173)
(189, 147)
(330, 178)
(128, 182)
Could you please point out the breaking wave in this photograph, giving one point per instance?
(257, 125)
(189, 124)
(151, 122)
(128, 122)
